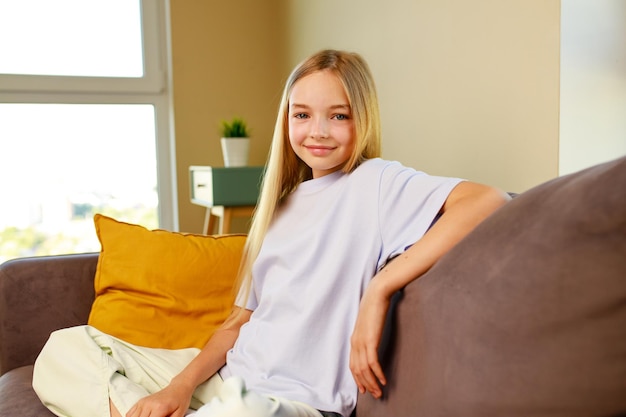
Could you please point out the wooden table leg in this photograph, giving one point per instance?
(209, 221)
(224, 216)
(225, 221)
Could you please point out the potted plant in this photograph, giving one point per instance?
(235, 142)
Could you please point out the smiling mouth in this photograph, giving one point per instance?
(319, 150)
(319, 147)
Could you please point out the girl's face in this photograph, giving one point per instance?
(321, 129)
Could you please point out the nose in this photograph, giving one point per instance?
(319, 128)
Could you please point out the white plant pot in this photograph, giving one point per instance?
(235, 151)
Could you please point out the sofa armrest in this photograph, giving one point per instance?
(39, 295)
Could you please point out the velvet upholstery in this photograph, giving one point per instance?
(525, 317)
(17, 397)
(37, 296)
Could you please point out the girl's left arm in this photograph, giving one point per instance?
(467, 205)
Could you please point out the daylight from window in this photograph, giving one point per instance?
(60, 163)
(71, 37)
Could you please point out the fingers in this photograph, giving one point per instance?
(145, 408)
(135, 411)
(367, 372)
(378, 372)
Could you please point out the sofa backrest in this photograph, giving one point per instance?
(525, 316)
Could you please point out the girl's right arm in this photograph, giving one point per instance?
(174, 399)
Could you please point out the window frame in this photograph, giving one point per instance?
(152, 88)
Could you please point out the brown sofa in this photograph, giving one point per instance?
(525, 317)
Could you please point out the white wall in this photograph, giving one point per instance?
(467, 88)
(593, 83)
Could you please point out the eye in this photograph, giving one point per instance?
(300, 115)
(341, 117)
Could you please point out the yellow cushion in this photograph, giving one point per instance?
(162, 289)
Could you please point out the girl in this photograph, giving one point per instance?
(317, 272)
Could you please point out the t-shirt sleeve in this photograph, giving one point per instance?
(251, 303)
(409, 202)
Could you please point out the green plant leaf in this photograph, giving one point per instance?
(235, 128)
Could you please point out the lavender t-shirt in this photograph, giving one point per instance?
(326, 243)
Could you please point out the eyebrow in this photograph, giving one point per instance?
(334, 106)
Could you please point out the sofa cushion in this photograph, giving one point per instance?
(162, 289)
(525, 317)
(59, 285)
(17, 397)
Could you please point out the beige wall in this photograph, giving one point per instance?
(467, 89)
(227, 61)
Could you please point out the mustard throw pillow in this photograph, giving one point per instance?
(162, 289)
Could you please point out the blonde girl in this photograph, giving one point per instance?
(336, 233)
(284, 170)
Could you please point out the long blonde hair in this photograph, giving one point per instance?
(284, 170)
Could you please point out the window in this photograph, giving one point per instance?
(71, 37)
(593, 83)
(84, 122)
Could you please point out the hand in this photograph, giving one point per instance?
(172, 401)
(365, 339)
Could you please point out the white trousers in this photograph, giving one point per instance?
(80, 369)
